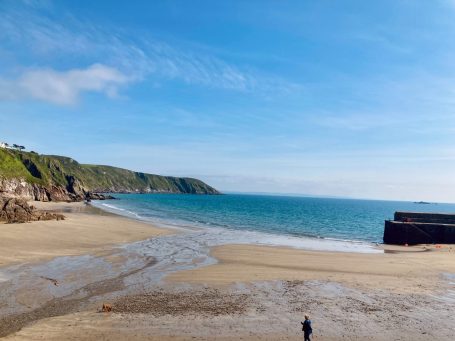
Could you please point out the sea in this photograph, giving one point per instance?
(306, 222)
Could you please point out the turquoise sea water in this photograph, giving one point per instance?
(344, 219)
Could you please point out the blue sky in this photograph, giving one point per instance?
(346, 98)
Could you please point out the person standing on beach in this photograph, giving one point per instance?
(306, 328)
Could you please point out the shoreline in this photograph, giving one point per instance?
(110, 224)
(259, 237)
(295, 242)
(157, 280)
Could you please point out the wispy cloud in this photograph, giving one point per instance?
(143, 58)
(62, 87)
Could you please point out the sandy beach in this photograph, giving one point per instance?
(84, 230)
(55, 276)
(408, 270)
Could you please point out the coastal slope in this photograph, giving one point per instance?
(58, 178)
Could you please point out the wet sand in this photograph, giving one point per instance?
(405, 270)
(84, 230)
(251, 293)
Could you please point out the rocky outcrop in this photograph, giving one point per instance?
(22, 189)
(15, 210)
(98, 196)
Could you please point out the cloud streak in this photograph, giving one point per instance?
(63, 88)
(142, 57)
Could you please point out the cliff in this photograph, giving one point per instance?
(58, 178)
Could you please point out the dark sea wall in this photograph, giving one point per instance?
(420, 228)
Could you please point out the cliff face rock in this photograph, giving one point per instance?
(32, 191)
(17, 187)
(15, 210)
(57, 178)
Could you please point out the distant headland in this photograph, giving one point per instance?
(33, 176)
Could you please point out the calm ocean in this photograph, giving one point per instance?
(343, 219)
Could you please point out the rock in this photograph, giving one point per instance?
(97, 196)
(15, 210)
(22, 189)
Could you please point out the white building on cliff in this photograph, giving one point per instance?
(3, 145)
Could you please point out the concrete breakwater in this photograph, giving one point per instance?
(420, 228)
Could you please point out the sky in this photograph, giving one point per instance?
(347, 98)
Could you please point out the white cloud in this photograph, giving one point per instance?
(142, 56)
(63, 87)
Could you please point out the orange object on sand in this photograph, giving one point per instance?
(106, 307)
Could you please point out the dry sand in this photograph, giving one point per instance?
(85, 230)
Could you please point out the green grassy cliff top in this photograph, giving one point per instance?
(63, 171)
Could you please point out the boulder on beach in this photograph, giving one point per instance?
(16, 210)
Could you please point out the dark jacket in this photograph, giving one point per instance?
(306, 326)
